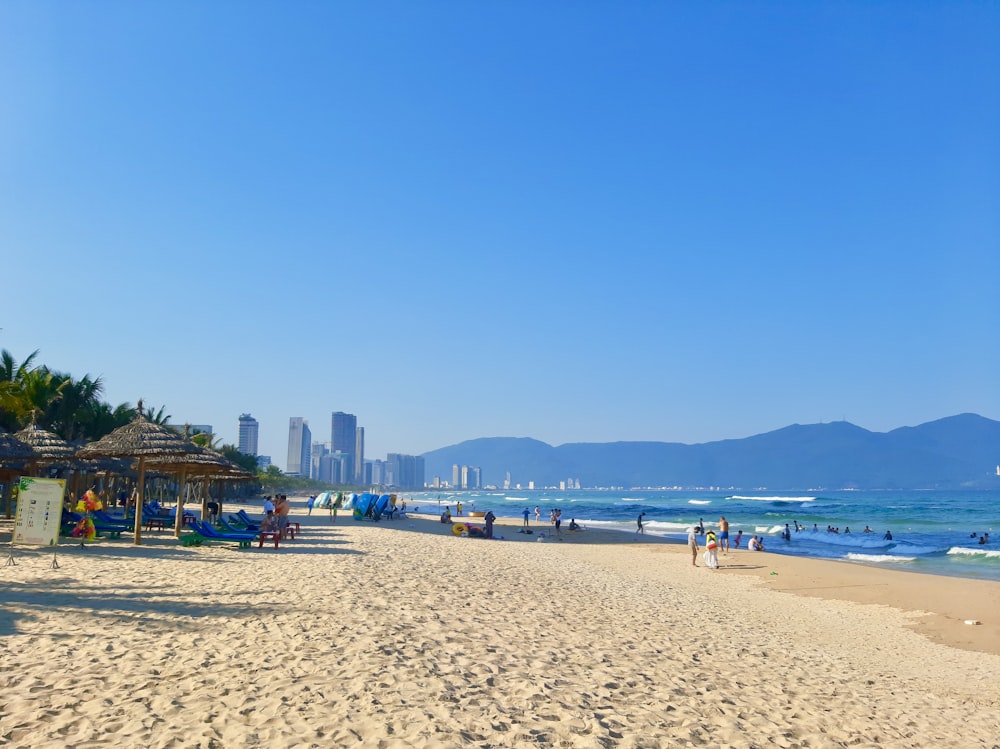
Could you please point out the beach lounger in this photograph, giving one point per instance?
(112, 530)
(209, 533)
(242, 515)
(241, 525)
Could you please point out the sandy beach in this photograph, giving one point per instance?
(399, 634)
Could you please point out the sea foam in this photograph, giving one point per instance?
(772, 499)
(878, 558)
(988, 553)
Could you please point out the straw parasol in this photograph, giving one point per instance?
(202, 461)
(13, 454)
(140, 439)
(49, 448)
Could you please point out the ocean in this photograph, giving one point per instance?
(935, 532)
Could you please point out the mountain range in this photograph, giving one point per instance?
(957, 452)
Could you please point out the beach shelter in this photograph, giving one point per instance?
(13, 455)
(200, 462)
(140, 439)
(50, 449)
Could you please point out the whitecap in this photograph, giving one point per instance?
(699, 501)
(878, 558)
(772, 499)
(974, 552)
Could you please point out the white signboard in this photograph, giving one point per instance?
(39, 511)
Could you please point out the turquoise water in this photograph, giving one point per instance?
(931, 531)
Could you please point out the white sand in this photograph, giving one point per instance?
(397, 635)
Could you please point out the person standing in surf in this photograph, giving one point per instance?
(724, 534)
(638, 522)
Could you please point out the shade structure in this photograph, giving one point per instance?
(49, 448)
(203, 463)
(139, 439)
(14, 451)
(13, 455)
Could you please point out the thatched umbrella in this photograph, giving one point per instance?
(202, 461)
(49, 448)
(140, 439)
(13, 455)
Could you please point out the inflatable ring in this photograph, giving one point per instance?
(459, 528)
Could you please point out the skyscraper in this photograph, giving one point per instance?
(359, 455)
(248, 434)
(299, 444)
(343, 439)
(404, 471)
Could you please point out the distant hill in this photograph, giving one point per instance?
(956, 452)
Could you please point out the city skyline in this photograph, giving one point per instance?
(586, 223)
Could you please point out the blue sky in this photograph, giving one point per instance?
(574, 221)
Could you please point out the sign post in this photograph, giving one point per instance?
(39, 514)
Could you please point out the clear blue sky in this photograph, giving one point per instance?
(574, 221)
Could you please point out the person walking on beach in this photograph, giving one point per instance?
(693, 543)
(638, 521)
(538, 514)
(724, 534)
(488, 518)
(736, 541)
(711, 551)
(557, 515)
(525, 513)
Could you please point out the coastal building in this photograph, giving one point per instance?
(248, 431)
(343, 438)
(299, 444)
(404, 471)
(319, 450)
(359, 455)
(466, 477)
(331, 468)
(263, 461)
(377, 475)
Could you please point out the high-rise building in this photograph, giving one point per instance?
(359, 455)
(343, 438)
(299, 444)
(317, 452)
(404, 471)
(248, 434)
(456, 476)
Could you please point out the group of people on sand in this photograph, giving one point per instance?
(276, 514)
(716, 540)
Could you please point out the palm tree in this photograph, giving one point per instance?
(37, 394)
(205, 439)
(157, 417)
(69, 414)
(100, 419)
(12, 377)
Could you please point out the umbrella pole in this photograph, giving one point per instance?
(138, 499)
(179, 520)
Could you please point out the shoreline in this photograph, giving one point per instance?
(399, 634)
(938, 605)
